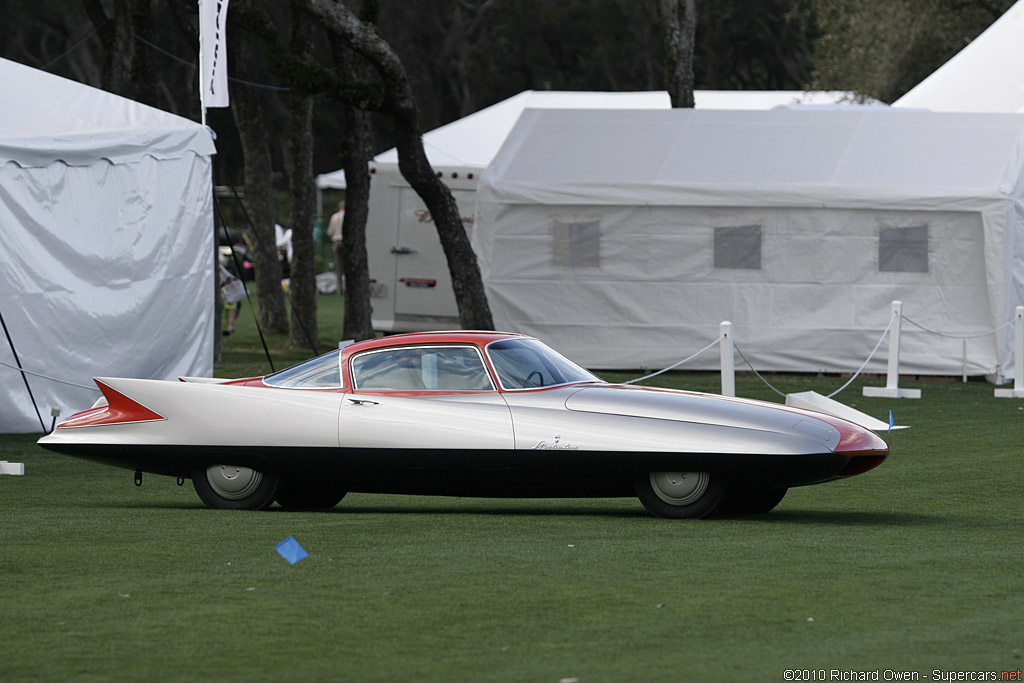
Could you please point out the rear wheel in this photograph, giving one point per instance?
(679, 495)
(303, 494)
(233, 487)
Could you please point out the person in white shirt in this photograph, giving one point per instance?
(334, 232)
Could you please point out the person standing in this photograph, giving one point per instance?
(334, 232)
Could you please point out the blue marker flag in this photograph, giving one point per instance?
(290, 550)
(891, 423)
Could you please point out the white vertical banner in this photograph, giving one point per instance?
(213, 54)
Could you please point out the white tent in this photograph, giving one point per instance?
(986, 76)
(107, 267)
(413, 288)
(625, 237)
(473, 140)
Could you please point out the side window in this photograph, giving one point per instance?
(738, 247)
(576, 245)
(903, 250)
(322, 372)
(421, 368)
(528, 364)
(519, 367)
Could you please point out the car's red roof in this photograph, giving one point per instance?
(479, 338)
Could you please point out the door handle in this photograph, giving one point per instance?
(363, 402)
(399, 249)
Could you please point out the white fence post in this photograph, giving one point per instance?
(728, 367)
(1018, 358)
(892, 377)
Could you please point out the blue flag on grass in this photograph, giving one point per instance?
(290, 550)
(891, 423)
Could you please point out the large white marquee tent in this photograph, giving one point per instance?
(404, 249)
(107, 266)
(625, 237)
(471, 142)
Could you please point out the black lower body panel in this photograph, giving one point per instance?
(493, 473)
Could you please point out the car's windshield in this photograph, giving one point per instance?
(421, 368)
(527, 364)
(322, 372)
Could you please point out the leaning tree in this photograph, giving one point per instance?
(397, 101)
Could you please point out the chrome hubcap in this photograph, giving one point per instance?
(680, 488)
(233, 482)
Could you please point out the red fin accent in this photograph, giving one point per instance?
(119, 410)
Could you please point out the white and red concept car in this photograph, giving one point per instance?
(465, 414)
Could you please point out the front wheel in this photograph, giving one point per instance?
(233, 487)
(679, 495)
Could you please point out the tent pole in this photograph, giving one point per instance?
(24, 377)
(238, 268)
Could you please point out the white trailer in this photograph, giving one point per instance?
(412, 288)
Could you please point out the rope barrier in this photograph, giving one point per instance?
(52, 379)
(865, 363)
(759, 375)
(837, 391)
(958, 336)
(870, 356)
(675, 365)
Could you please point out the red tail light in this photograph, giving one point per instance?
(859, 464)
(864, 450)
(119, 410)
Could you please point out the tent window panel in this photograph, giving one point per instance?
(738, 247)
(903, 250)
(577, 245)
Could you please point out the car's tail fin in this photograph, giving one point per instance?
(120, 409)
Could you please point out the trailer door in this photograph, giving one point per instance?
(423, 286)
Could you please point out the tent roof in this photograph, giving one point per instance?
(986, 76)
(475, 139)
(46, 118)
(767, 158)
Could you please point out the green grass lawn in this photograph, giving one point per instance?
(915, 566)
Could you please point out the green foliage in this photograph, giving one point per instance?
(254, 20)
(463, 55)
(754, 46)
(883, 48)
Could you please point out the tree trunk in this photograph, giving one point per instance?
(474, 311)
(145, 81)
(304, 332)
(118, 44)
(356, 150)
(679, 29)
(259, 201)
